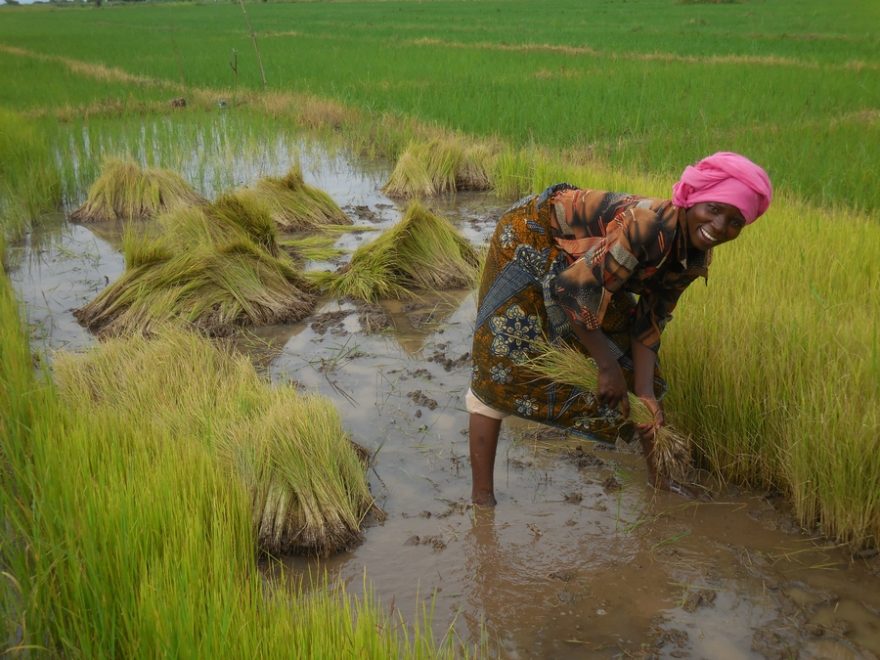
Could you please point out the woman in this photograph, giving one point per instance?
(567, 263)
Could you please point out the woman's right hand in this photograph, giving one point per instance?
(612, 389)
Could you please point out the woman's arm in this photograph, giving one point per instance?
(644, 363)
(612, 390)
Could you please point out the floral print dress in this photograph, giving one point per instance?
(571, 255)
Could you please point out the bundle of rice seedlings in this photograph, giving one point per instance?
(422, 251)
(442, 165)
(214, 267)
(125, 191)
(314, 247)
(563, 363)
(293, 204)
(309, 492)
(293, 500)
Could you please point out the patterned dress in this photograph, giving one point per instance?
(576, 255)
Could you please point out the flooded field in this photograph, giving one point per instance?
(580, 558)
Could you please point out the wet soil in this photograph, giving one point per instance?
(581, 558)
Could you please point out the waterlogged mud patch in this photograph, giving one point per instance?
(435, 541)
(421, 399)
(332, 322)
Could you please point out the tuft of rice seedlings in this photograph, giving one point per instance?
(213, 267)
(441, 165)
(422, 251)
(125, 191)
(563, 363)
(307, 480)
(313, 248)
(294, 205)
(29, 182)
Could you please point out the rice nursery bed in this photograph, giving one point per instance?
(786, 335)
(399, 391)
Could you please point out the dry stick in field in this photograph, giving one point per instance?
(254, 40)
(564, 363)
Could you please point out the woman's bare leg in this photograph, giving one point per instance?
(483, 432)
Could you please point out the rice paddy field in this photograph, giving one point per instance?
(161, 494)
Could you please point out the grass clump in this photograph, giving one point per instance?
(125, 191)
(305, 478)
(563, 363)
(214, 268)
(294, 205)
(441, 165)
(421, 252)
(29, 183)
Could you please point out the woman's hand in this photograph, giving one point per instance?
(647, 437)
(646, 431)
(612, 389)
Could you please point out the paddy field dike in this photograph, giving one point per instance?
(203, 207)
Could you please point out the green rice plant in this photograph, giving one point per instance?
(124, 191)
(766, 367)
(442, 165)
(214, 268)
(29, 182)
(306, 480)
(294, 205)
(563, 363)
(422, 251)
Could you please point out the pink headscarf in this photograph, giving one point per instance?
(728, 178)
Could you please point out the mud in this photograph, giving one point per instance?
(581, 558)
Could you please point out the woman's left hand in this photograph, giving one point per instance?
(646, 431)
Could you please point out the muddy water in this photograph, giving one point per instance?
(580, 558)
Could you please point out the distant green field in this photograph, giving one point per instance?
(649, 85)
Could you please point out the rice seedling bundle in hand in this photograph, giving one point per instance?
(442, 165)
(213, 267)
(421, 252)
(309, 492)
(294, 205)
(125, 191)
(563, 363)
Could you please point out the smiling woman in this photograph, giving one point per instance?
(569, 263)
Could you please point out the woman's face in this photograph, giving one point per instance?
(712, 223)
